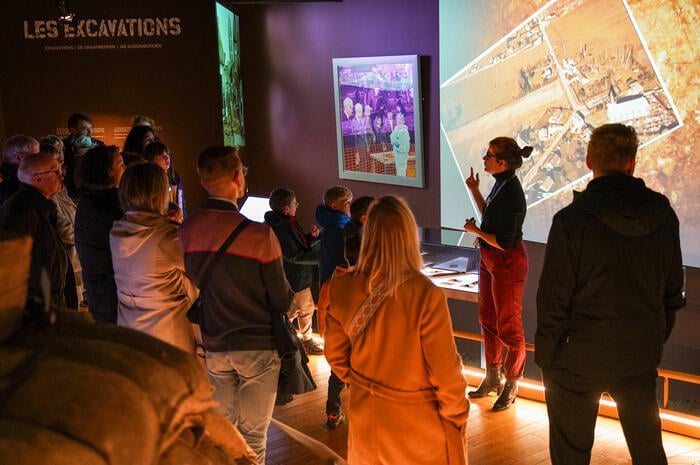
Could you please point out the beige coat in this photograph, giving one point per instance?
(407, 391)
(154, 292)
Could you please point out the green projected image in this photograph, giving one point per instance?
(229, 69)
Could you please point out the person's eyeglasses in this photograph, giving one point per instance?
(245, 171)
(488, 155)
(57, 172)
(294, 204)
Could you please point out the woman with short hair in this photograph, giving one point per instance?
(153, 290)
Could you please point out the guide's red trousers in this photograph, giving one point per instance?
(502, 275)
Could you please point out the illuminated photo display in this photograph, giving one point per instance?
(378, 119)
(547, 77)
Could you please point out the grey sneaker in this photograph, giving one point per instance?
(313, 347)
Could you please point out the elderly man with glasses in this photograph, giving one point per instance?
(30, 212)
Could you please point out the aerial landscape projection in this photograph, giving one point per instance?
(553, 76)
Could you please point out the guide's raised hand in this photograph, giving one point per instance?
(472, 181)
(470, 225)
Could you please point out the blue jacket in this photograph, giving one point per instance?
(332, 223)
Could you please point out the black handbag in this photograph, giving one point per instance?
(194, 314)
(295, 376)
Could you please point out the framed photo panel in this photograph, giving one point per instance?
(378, 119)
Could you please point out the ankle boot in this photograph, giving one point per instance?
(493, 381)
(507, 397)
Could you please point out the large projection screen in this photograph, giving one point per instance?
(547, 73)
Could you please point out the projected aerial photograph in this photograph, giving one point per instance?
(547, 72)
(573, 66)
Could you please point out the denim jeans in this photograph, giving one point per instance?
(245, 385)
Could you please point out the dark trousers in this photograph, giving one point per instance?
(335, 387)
(572, 407)
(502, 275)
(102, 299)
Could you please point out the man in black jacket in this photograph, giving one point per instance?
(611, 283)
(30, 212)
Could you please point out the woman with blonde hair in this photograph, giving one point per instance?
(389, 336)
(154, 291)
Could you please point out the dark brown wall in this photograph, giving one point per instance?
(176, 83)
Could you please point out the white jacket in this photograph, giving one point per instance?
(154, 292)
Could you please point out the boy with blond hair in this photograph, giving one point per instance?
(332, 216)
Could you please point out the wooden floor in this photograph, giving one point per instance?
(515, 436)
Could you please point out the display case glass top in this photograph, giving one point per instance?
(450, 263)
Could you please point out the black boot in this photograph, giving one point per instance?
(493, 381)
(507, 397)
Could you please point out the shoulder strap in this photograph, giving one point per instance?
(368, 308)
(366, 311)
(227, 243)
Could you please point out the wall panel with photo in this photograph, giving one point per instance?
(378, 119)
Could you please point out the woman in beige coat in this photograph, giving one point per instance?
(389, 336)
(154, 292)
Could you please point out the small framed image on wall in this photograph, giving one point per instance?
(378, 119)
